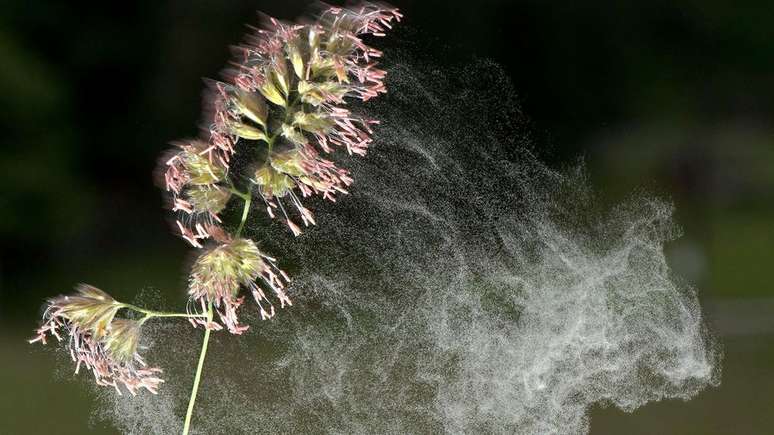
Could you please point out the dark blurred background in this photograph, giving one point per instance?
(675, 98)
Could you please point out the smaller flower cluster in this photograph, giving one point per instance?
(219, 273)
(196, 175)
(96, 339)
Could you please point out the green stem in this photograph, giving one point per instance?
(198, 376)
(245, 211)
(152, 313)
(240, 194)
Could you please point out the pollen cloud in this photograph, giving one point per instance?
(463, 287)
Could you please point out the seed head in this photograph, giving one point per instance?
(220, 272)
(122, 341)
(194, 164)
(207, 199)
(96, 340)
(89, 309)
(289, 90)
(250, 105)
(193, 175)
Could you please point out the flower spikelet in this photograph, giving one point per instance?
(90, 310)
(96, 340)
(195, 176)
(220, 272)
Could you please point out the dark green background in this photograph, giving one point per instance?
(671, 97)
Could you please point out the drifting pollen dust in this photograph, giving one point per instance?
(462, 286)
